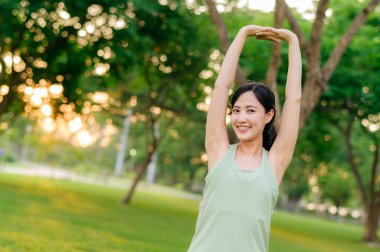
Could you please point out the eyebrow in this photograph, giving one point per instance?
(249, 106)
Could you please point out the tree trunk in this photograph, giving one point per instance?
(370, 200)
(190, 181)
(310, 97)
(350, 160)
(151, 147)
(123, 144)
(138, 177)
(152, 166)
(371, 222)
(295, 205)
(174, 178)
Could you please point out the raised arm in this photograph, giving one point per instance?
(282, 149)
(216, 141)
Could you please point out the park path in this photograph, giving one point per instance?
(37, 170)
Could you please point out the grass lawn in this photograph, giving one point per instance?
(39, 214)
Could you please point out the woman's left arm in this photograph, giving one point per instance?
(282, 149)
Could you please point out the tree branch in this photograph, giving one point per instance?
(275, 61)
(350, 159)
(316, 33)
(223, 38)
(295, 27)
(341, 46)
(334, 121)
(167, 127)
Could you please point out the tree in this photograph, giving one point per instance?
(173, 53)
(318, 74)
(47, 43)
(351, 106)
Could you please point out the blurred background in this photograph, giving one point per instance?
(116, 93)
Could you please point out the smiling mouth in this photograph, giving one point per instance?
(243, 128)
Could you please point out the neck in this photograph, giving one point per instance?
(251, 148)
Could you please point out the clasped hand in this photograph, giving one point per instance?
(268, 33)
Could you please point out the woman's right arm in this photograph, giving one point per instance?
(216, 142)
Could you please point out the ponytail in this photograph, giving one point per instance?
(269, 135)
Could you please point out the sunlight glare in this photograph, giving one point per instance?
(46, 110)
(267, 6)
(36, 100)
(8, 59)
(63, 14)
(373, 127)
(90, 28)
(100, 97)
(101, 69)
(4, 90)
(56, 90)
(75, 124)
(41, 92)
(28, 91)
(48, 124)
(84, 138)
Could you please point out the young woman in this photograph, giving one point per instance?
(242, 181)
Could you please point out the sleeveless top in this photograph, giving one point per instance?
(237, 205)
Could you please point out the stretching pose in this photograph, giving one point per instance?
(242, 182)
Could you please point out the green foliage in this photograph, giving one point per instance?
(336, 185)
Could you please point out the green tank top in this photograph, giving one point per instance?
(237, 205)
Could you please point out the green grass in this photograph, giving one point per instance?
(39, 214)
(295, 233)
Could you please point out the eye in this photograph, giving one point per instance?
(235, 110)
(251, 111)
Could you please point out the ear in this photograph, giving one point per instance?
(268, 116)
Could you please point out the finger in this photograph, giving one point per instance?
(266, 35)
(270, 36)
(263, 34)
(263, 38)
(267, 32)
(275, 39)
(270, 29)
(267, 29)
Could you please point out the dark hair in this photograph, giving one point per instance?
(267, 99)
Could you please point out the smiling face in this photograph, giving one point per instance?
(248, 117)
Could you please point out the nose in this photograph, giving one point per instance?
(241, 117)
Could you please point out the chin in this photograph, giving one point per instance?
(243, 137)
(246, 139)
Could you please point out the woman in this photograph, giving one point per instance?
(242, 181)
